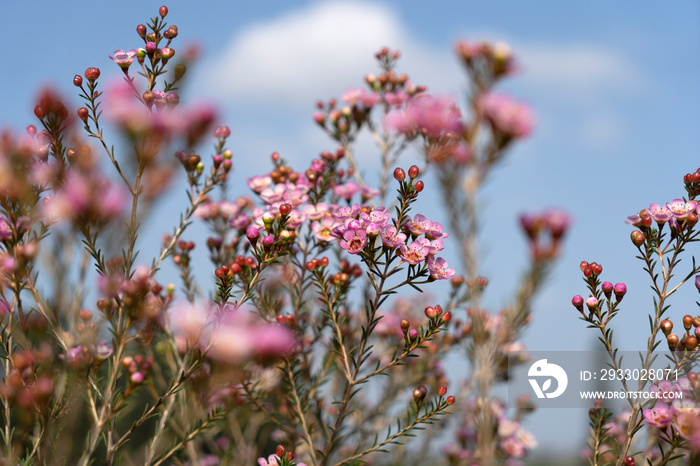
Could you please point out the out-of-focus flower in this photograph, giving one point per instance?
(229, 335)
(507, 116)
(426, 114)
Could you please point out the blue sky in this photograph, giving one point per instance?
(614, 85)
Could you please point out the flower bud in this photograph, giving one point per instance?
(141, 31)
(592, 303)
(268, 218)
(607, 288)
(687, 322)
(163, 11)
(83, 113)
(629, 461)
(691, 343)
(92, 73)
(268, 241)
(637, 238)
(672, 341)
(399, 174)
(418, 395)
(577, 301)
(405, 325)
(419, 186)
(252, 234)
(413, 172)
(280, 451)
(620, 291)
(450, 400)
(442, 390)
(431, 312)
(446, 317)
(413, 334)
(77, 80)
(666, 326)
(285, 209)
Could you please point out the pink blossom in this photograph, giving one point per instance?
(680, 208)
(259, 183)
(396, 98)
(354, 239)
(660, 213)
(507, 116)
(688, 427)
(323, 229)
(418, 225)
(360, 98)
(229, 335)
(413, 254)
(368, 193)
(378, 217)
(391, 238)
(295, 219)
(435, 232)
(123, 59)
(272, 461)
(342, 213)
(433, 116)
(659, 416)
(346, 191)
(316, 212)
(438, 268)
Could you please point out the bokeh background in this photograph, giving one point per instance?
(615, 86)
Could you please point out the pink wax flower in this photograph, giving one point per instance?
(368, 193)
(660, 213)
(432, 116)
(343, 213)
(272, 195)
(557, 221)
(229, 335)
(435, 232)
(418, 225)
(414, 254)
(353, 239)
(660, 415)
(346, 191)
(396, 98)
(295, 219)
(688, 427)
(5, 230)
(378, 217)
(272, 461)
(680, 208)
(438, 268)
(123, 59)
(360, 98)
(323, 229)
(507, 116)
(259, 183)
(316, 212)
(236, 338)
(391, 238)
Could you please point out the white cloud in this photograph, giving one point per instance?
(319, 51)
(305, 55)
